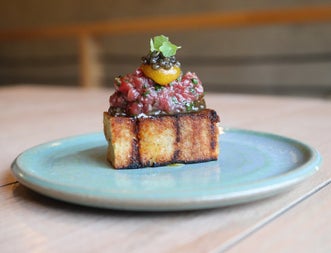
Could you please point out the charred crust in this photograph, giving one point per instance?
(130, 166)
(135, 158)
(177, 140)
(205, 115)
(213, 130)
(197, 160)
(176, 155)
(177, 132)
(213, 138)
(214, 117)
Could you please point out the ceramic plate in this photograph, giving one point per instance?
(251, 166)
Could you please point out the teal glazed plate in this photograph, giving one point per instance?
(251, 166)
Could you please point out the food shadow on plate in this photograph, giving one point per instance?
(94, 156)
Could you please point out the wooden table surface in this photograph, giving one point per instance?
(296, 221)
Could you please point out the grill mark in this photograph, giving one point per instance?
(213, 137)
(137, 148)
(177, 118)
(195, 127)
(212, 117)
(176, 126)
(135, 155)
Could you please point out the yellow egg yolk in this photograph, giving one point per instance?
(161, 76)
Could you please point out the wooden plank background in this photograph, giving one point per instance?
(283, 50)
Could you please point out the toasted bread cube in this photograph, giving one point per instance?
(121, 136)
(160, 140)
(197, 138)
(157, 140)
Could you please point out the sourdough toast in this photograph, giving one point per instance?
(152, 141)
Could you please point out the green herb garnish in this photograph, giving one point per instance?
(158, 87)
(194, 81)
(174, 100)
(189, 106)
(118, 81)
(162, 44)
(146, 93)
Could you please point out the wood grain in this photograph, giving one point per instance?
(305, 228)
(31, 115)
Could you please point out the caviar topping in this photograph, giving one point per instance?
(160, 64)
(157, 60)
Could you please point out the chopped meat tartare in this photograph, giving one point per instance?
(136, 95)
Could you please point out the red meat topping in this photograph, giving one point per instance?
(136, 94)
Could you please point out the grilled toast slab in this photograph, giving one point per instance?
(135, 142)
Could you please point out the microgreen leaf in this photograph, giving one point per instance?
(158, 87)
(159, 40)
(162, 44)
(194, 81)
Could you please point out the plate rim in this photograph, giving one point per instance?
(260, 191)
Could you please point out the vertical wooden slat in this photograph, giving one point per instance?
(91, 70)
